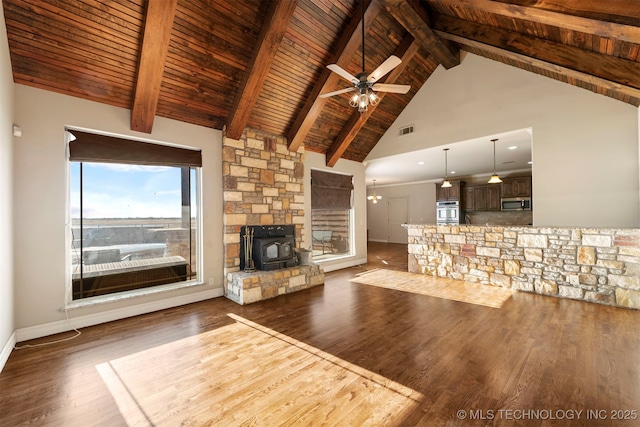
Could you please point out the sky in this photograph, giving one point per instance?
(126, 191)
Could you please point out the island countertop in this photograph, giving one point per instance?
(593, 264)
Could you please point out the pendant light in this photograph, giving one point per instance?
(445, 183)
(375, 197)
(495, 179)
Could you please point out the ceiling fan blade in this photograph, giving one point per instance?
(342, 73)
(382, 87)
(388, 65)
(337, 92)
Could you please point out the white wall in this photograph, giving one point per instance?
(6, 189)
(585, 145)
(317, 161)
(40, 208)
(422, 210)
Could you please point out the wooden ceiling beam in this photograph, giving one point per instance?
(413, 18)
(273, 30)
(594, 20)
(155, 44)
(609, 72)
(405, 51)
(345, 49)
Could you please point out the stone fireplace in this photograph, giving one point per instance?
(263, 186)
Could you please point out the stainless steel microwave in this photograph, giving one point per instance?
(516, 204)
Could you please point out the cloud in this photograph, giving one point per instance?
(127, 191)
(104, 205)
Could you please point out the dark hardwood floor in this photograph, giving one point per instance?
(391, 256)
(342, 354)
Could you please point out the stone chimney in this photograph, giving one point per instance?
(263, 185)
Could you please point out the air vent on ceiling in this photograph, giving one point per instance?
(406, 130)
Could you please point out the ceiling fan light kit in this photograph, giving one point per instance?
(362, 100)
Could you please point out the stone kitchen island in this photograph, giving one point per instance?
(590, 264)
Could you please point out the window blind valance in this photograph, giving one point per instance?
(91, 147)
(330, 190)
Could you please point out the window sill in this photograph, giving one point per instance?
(123, 296)
(324, 258)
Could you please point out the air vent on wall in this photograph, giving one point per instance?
(406, 130)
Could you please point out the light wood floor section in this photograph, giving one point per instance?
(343, 354)
(456, 290)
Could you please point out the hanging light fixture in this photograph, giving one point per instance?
(374, 198)
(495, 179)
(445, 183)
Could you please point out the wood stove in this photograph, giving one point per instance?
(273, 246)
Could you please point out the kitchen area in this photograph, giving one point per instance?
(484, 233)
(508, 202)
(485, 180)
(478, 227)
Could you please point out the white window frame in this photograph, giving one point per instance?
(352, 232)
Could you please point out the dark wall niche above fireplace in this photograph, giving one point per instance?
(273, 246)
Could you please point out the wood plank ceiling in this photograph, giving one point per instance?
(262, 64)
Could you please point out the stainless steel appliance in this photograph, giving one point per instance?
(516, 204)
(448, 213)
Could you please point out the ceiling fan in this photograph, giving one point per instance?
(365, 83)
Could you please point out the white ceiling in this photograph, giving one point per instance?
(471, 158)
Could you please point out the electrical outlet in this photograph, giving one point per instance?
(211, 281)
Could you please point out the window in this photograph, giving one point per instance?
(134, 215)
(331, 215)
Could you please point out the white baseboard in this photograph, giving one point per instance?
(51, 328)
(379, 240)
(344, 264)
(7, 349)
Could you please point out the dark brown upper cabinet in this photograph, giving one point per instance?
(516, 187)
(451, 193)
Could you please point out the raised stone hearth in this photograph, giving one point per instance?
(245, 288)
